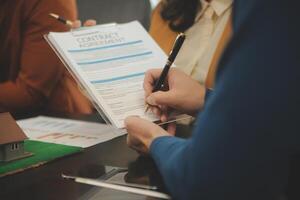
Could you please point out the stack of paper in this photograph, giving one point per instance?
(110, 61)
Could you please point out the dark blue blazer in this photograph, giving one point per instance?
(250, 126)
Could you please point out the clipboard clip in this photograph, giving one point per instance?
(108, 25)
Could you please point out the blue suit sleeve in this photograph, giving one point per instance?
(249, 126)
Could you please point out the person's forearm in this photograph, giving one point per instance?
(18, 97)
(167, 153)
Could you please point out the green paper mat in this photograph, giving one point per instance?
(42, 153)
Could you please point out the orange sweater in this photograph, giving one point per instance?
(32, 77)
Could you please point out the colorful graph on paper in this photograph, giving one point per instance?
(67, 132)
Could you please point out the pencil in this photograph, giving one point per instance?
(175, 50)
(61, 19)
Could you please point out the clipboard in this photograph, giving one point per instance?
(88, 91)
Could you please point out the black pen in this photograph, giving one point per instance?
(61, 19)
(175, 50)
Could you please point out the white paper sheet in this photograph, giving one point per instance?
(67, 132)
(110, 61)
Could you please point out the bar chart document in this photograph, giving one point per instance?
(66, 131)
(109, 62)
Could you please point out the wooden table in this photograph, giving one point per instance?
(45, 182)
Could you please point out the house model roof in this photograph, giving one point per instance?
(10, 132)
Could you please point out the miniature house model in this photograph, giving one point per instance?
(11, 139)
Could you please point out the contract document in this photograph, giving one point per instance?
(109, 62)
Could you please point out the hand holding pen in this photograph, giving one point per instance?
(73, 24)
(178, 96)
(159, 85)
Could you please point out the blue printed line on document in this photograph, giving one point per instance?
(116, 58)
(118, 78)
(105, 47)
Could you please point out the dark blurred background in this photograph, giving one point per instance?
(120, 11)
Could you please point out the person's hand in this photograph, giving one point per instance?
(141, 133)
(183, 93)
(90, 22)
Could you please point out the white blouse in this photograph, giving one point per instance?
(202, 39)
